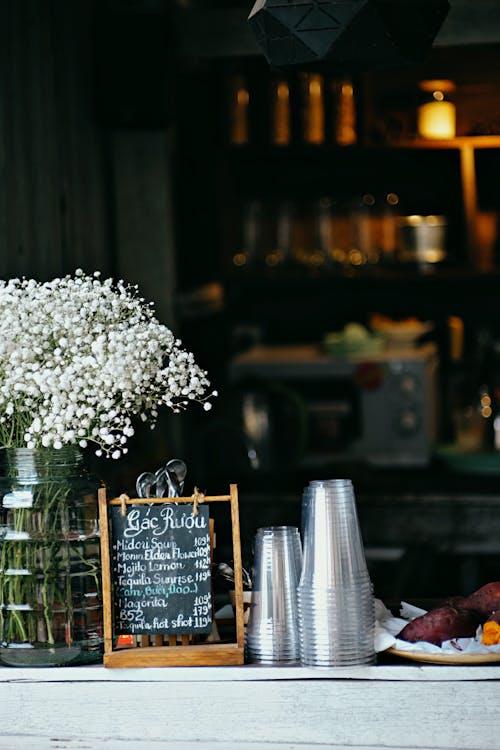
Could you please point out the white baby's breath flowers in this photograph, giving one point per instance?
(81, 358)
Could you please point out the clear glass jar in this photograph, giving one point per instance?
(50, 575)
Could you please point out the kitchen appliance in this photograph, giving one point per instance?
(379, 408)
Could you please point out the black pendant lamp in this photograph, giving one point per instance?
(356, 34)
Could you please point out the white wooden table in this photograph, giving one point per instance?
(252, 707)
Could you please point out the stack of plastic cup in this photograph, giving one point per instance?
(272, 633)
(335, 601)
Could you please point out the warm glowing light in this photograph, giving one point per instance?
(283, 92)
(280, 135)
(315, 86)
(242, 97)
(436, 119)
(345, 114)
(314, 115)
(239, 108)
(239, 259)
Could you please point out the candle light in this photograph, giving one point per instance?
(436, 118)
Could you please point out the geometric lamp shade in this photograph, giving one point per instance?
(359, 34)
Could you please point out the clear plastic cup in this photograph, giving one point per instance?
(332, 545)
(272, 630)
(335, 601)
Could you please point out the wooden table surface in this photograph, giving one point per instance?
(252, 707)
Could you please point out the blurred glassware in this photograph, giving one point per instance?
(259, 428)
(486, 239)
(422, 239)
(306, 251)
(239, 100)
(313, 108)
(470, 426)
(282, 223)
(388, 227)
(364, 230)
(321, 234)
(456, 338)
(341, 233)
(251, 229)
(344, 112)
(280, 112)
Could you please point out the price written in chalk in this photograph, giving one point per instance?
(161, 569)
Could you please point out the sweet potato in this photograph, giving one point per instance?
(441, 624)
(485, 600)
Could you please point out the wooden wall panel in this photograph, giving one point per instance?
(52, 196)
(86, 235)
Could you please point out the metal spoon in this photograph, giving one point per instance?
(162, 483)
(247, 579)
(144, 484)
(227, 572)
(179, 469)
(174, 488)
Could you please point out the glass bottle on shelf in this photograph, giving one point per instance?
(344, 112)
(313, 234)
(387, 239)
(341, 233)
(281, 250)
(472, 390)
(313, 108)
(364, 225)
(280, 112)
(324, 230)
(250, 231)
(239, 101)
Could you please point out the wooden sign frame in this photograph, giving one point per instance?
(174, 654)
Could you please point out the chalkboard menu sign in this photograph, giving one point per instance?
(156, 588)
(160, 563)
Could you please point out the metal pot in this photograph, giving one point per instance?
(422, 238)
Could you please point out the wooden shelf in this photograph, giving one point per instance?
(255, 155)
(465, 141)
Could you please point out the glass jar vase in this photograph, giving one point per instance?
(50, 576)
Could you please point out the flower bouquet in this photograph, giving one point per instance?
(80, 360)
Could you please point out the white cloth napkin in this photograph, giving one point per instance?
(387, 626)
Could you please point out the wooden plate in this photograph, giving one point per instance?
(445, 658)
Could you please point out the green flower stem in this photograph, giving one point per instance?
(17, 618)
(47, 610)
(46, 524)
